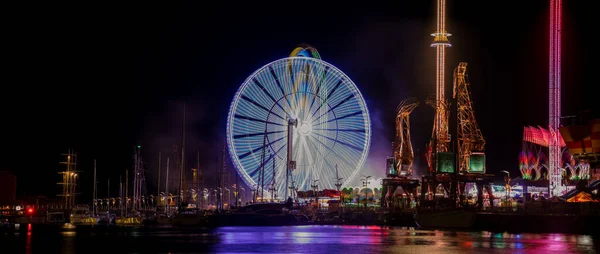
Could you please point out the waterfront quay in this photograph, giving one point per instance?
(536, 216)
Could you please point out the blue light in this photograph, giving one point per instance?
(334, 126)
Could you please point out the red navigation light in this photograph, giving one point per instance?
(30, 210)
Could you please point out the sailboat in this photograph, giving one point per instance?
(135, 217)
(106, 218)
(82, 215)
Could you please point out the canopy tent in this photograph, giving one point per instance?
(582, 197)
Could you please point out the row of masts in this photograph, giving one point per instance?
(139, 189)
(139, 181)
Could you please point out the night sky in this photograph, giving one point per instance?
(103, 79)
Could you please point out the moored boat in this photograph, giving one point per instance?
(446, 219)
(269, 214)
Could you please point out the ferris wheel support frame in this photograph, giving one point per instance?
(290, 163)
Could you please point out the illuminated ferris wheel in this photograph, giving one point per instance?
(308, 103)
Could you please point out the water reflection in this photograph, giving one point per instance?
(28, 240)
(300, 239)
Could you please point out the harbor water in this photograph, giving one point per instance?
(28, 238)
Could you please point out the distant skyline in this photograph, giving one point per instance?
(102, 80)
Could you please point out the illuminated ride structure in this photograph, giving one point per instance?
(581, 161)
(533, 159)
(583, 141)
(440, 139)
(454, 173)
(554, 96)
(403, 150)
(292, 121)
(577, 154)
(546, 157)
(398, 187)
(452, 169)
(470, 141)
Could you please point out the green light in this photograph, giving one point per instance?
(139, 147)
(445, 163)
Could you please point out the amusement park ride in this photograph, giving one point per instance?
(302, 119)
(558, 157)
(449, 167)
(453, 167)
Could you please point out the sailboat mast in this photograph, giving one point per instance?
(218, 182)
(182, 166)
(198, 196)
(94, 195)
(167, 188)
(222, 177)
(126, 188)
(158, 178)
(135, 171)
(121, 193)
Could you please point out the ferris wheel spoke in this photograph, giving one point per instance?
(306, 155)
(335, 88)
(256, 119)
(279, 85)
(328, 96)
(269, 94)
(317, 149)
(244, 97)
(244, 155)
(319, 85)
(341, 117)
(342, 159)
(247, 135)
(341, 142)
(334, 107)
(343, 130)
(304, 90)
(260, 165)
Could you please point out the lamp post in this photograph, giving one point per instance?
(338, 183)
(365, 181)
(315, 187)
(507, 186)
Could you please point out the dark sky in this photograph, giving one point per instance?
(103, 79)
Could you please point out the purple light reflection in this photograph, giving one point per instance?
(398, 239)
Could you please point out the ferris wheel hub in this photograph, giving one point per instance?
(304, 129)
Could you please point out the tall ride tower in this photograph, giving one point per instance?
(441, 138)
(554, 96)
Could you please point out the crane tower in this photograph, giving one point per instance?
(403, 151)
(470, 140)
